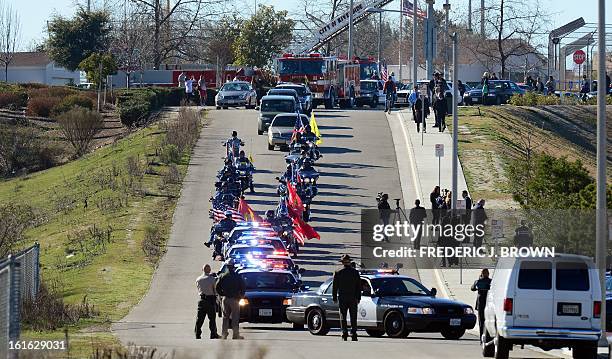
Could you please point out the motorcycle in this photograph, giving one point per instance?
(245, 176)
(307, 189)
(232, 151)
(286, 234)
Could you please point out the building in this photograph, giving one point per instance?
(37, 67)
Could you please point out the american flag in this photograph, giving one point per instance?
(217, 214)
(384, 75)
(408, 9)
(298, 127)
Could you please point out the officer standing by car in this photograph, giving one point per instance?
(417, 218)
(346, 291)
(231, 288)
(206, 305)
(482, 285)
(523, 237)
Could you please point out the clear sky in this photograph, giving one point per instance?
(35, 13)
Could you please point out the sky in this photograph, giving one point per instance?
(35, 13)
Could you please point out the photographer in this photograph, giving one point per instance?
(384, 209)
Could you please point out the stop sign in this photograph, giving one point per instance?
(579, 57)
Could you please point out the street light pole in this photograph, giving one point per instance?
(482, 18)
(414, 36)
(429, 45)
(601, 217)
(399, 47)
(379, 39)
(350, 34)
(470, 15)
(446, 7)
(455, 126)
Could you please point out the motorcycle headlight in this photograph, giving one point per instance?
(423, 311)
(468, 310)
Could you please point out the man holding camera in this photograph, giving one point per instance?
(384, 209)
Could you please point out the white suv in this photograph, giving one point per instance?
(550, 303)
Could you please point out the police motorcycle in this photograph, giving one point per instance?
(284, 229)
(306, 185)
(232, 147)
(245, 169)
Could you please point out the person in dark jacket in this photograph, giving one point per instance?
(417, 112)
(231, 288)
(435, 209)
(384, 211)
(417, 217)
(484, 82)
(523, 237)
(439, 107)
(346, 291)
(468, 207)
(207, 303)
(479, 217)
(482, 286)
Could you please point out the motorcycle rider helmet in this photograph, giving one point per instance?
(228, 213)
(270, 213)
(241, 154)
(234, 134)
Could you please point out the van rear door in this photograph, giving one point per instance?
(573, 305)
(533, 295)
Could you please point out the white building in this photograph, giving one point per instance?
(36, 67)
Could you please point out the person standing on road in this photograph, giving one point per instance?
(189, 89)
(523, 237)
(389, 89)
(206, 305)
(417, 112)
(231, 288)
(484, 82)
(439, 106)
(384, 210)
(435, 208)
(346, 291)
(550, 86)
(479, 217)
(417, 218)
(202, 90)
(482, 285)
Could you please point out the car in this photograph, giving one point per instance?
(266, 261)
(235, 94)
(270, 107)
(608, 302)
(285, 92)
(240, 230)
(257, 240)
(500, 92)
(239, 251)
(304, 95)
(281, 129)
(548, 302)
(390, 304)
(403, 92)
(268, 294)
(371, 93)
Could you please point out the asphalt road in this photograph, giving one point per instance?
(359, 161)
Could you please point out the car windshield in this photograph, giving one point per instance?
(236, 86)
(367, 70)
(268, 280)
(286, 121)
(369, 85)
(301, 90)
(300, 67)
(394, 286)
(243, 251)
(277, 106)
(609, 284)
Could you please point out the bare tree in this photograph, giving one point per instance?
(79, 126)
(220, 37)
(10, 29)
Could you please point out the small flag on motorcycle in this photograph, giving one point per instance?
(315, 129)
(251, 158)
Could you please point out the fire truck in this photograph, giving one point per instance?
(331, 81)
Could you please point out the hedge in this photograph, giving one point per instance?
(71, 101)
(12, 97)
(136, 105)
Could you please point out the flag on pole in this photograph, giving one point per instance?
(251, 158)
(315, 129)
(247, 212)
(297, 127)
(384, 75)
(408, 9)
(294, 202)
(303, 231)
(217, 214)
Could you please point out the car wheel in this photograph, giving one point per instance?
(315, 320)
(488, 351)
(586, 351)
(270, 147)
(259, 132)
(218, 107)
(394, 324)
(297, 326)
(376, 333)
(498, 100)
(225, 107)
(453, 334)
(502, 348)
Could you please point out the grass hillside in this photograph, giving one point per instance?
(102, 222)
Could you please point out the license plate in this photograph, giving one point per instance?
(455, 322)
(475, 99)
(570, 309)
(265, 312)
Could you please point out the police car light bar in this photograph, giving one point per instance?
(379, 271)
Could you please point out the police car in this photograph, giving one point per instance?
(239, 251)
(249, 229)
(268, 294)
(273, 262)
(390, 304)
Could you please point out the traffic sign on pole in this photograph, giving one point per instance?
(579, 57)
(439, 150)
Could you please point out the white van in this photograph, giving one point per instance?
(550, 303)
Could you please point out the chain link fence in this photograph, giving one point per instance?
(19, 280)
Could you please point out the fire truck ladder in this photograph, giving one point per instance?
(340, 23)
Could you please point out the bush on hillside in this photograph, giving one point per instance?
(136, 105)
(12, 100)
(72, 101)
(79, 125)
(42, 106)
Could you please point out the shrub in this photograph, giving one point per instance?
(152, 243)
(170, 154)
(42, 106)
(52, 91)
(71, 101)
(79, 126)
(21, 149)
(136, 105)
(13, 100)
(183, 133)
(14, 220)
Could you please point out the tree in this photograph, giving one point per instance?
(262, 36)
(219, 46)
(73, 40)
(14, 220)
(79, 126)
(98, 67)
(9, 35)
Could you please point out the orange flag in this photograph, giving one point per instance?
(247, 212)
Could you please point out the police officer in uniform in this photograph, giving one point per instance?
(417, 218)
(523, 237)
(231, 288)
(346, 291)
(206, 305)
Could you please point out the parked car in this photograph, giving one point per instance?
(270, 107)
(403, 92)
(285, 92)
(304, 95)
(281, 129)
(371, 93)
(235, 94)
(548, 302)
(500, 92)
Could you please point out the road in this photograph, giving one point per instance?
(359, 161)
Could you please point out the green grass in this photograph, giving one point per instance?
(112, 276)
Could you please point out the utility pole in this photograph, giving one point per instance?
(88, 6)
(430, 38)
(414, 36)
(601, 217)
(470, 15)
(399, 48)
(350, 34)
(379, 40)
(455, 162)
(446, 7)
(482, 18)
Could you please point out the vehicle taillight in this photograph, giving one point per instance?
(279, 253)
(508, 305)
(596, 309)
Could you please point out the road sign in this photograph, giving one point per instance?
(439, 150)
(579, 57)
(497, 228)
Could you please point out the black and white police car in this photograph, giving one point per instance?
(390, 304)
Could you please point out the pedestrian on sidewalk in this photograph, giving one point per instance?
(447, 239)
(189, 89)
(417, 217)
(439, 106)
(202, 90)
(417, 112)
(207, 303)
(479, 217)
(231, 288)
(181, 79)
(346, 291)
(434, 198)
(468, 207)
(550, 86)
(482, 285)
(484, 83)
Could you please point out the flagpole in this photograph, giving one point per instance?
(400, 40)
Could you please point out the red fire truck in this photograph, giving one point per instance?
(330, 80)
